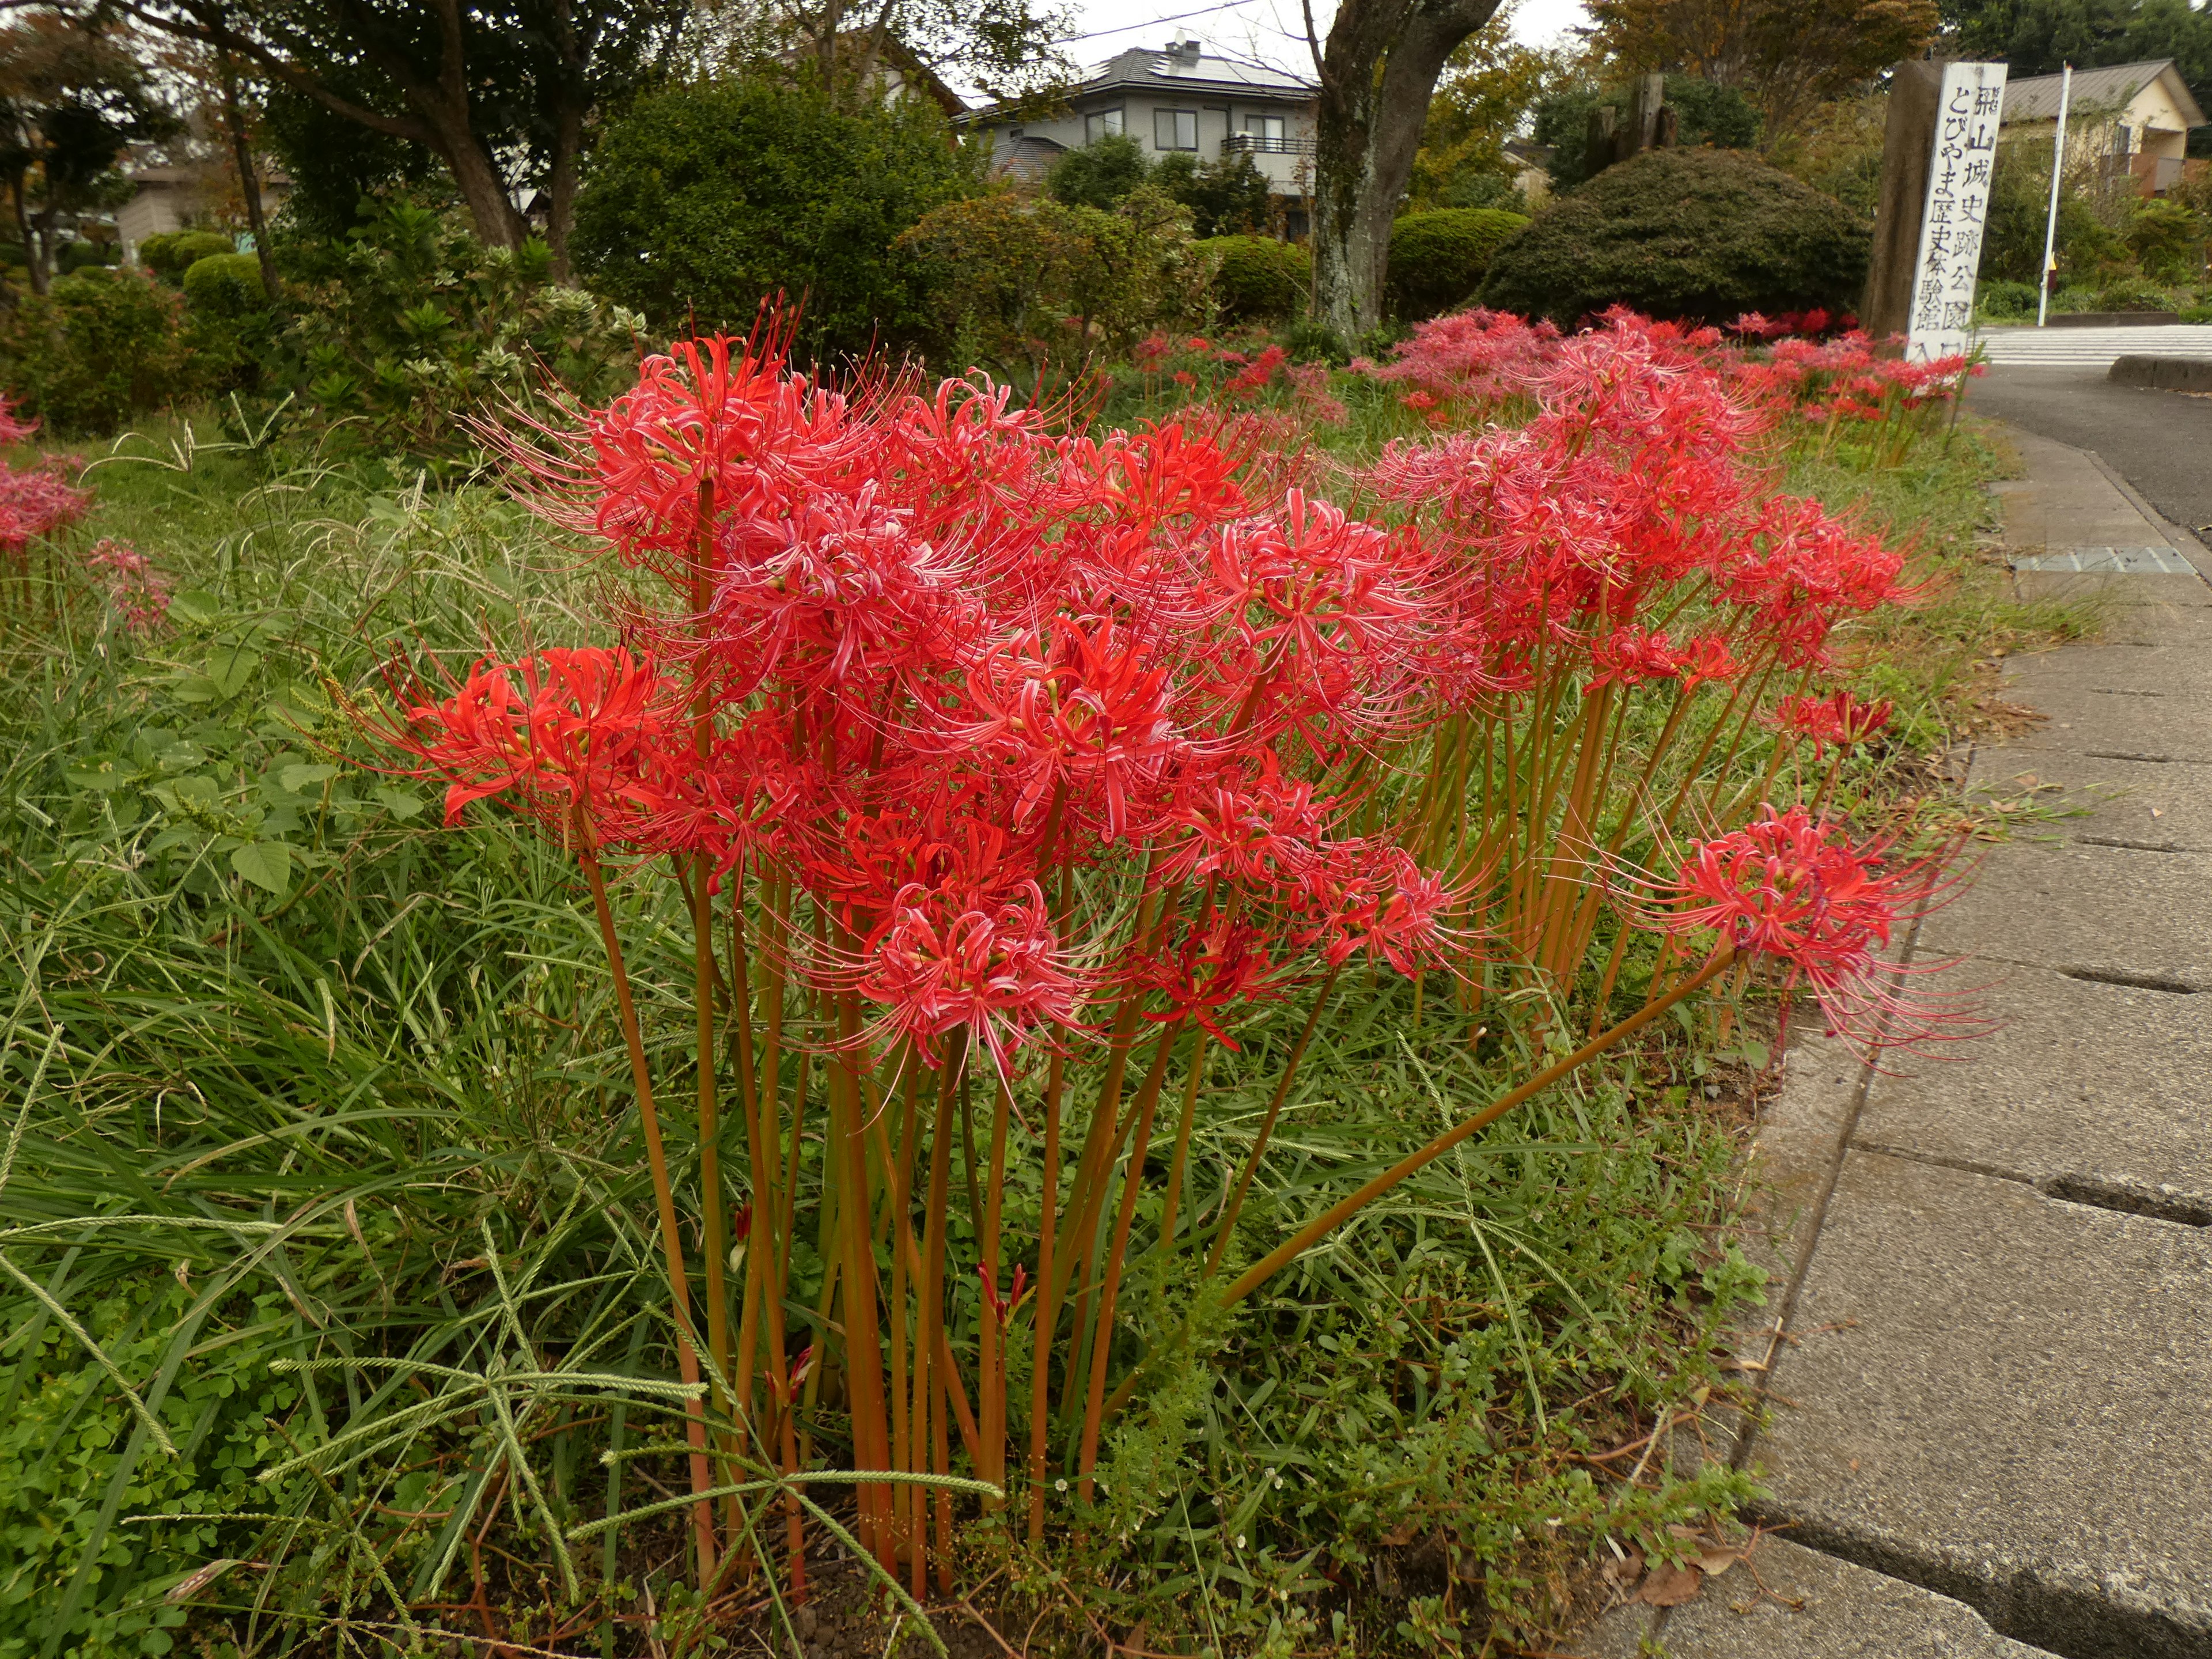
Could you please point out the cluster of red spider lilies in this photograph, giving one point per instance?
(995, 759)
(35, 502)
(1818, 371)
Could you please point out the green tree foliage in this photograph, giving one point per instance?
(492, 91)
(1705, 114)
(2088, 250)
(1230, 196)
(335, 162)
(1099, 175)
(73, 96)
(1030, 288)
(1787, 58)
(1257, 278)
(98, 349)
(703, 202)
(1489, 85)
(1439, 259)
(1699, 233)
(2035, 37)
(2167, 240)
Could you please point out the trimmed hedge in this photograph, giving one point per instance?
(1258, 279)
(1439, 259)
(226, 285)
(1701, 234)
(170, 253)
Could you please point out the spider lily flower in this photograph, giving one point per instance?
(1837, 719)
(570, 735)
(1798, 892)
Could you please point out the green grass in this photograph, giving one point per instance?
(367, 1114)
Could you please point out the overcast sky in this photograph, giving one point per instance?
(1272, 31)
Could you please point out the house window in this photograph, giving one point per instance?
(1266, 127)
(1175, 129)
(1095, 127)
(2120, 137)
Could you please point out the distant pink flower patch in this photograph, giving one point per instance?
(136, 592)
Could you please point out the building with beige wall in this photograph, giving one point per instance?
(2138, 115)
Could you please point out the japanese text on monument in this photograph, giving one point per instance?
(1971, 105)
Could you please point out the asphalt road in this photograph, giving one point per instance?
(2159, 441)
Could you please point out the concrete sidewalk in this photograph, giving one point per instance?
(1989, 1376)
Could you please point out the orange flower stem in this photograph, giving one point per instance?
(1133, 1180)
(1234, 1203)
(687, 1357)
(1338, 1213)
(991, 1376)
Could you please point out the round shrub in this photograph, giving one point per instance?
(76, 256)
(1438, 259)
(1702, 235)
(2134, 294)
(2003, 298)
(1258, 279)
(97, 348)
(226, 285)
(170, 253)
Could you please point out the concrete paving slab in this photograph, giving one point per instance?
(2091, 1090)
(2143, 625)
(2105, 911)
(2169, 670)
(1804, 1605)
(2111, 719)
(2149, 803)
(2002, 1396)
(2191, 593)
(2071, 501)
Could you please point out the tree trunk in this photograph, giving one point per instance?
(561, 207)
(249, 182)
(1378, 72)
(32, 268)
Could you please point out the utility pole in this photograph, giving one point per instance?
(2050, 225)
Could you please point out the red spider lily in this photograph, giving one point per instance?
(1835, 718)
(1369, 896)
(1629, 656)
(1257, 375)
(943, 961)
(1085, 707)
(1796, 891)
(573, 735)
(13, 428)
(1216, 967)
(138, 591)
(1003, 1306)
(1261, 830)
(1468, 357)
(35, 502)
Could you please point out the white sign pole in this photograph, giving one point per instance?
(2050, 225)
(1970, 106)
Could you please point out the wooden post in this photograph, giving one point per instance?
(1908, 145)
(1644, 121)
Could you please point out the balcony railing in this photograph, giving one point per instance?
(1252, 143)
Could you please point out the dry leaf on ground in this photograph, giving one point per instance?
(1670, 1587)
